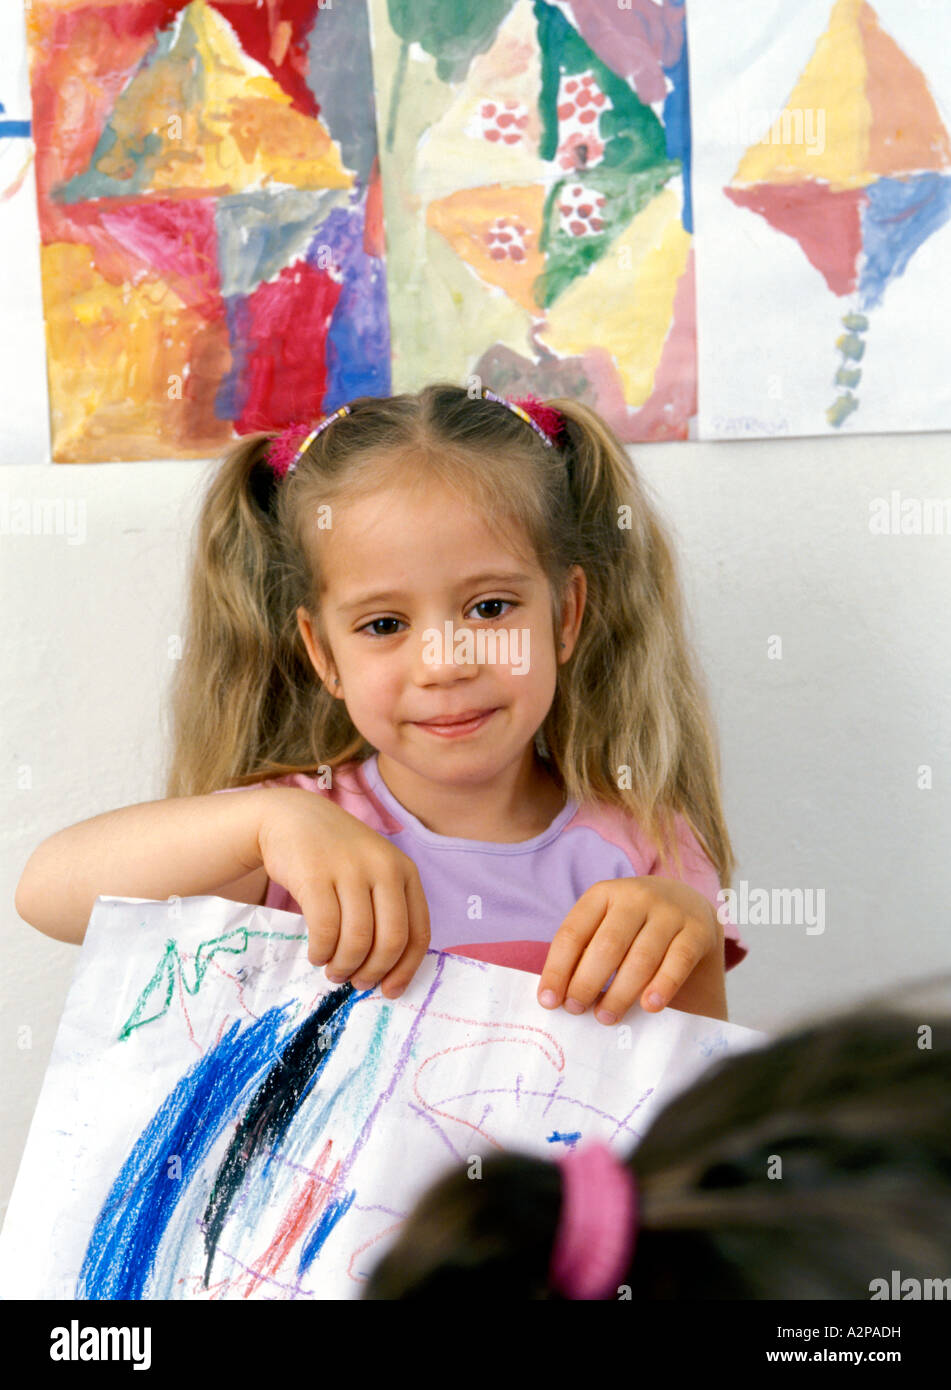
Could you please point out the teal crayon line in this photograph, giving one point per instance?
(203, 956)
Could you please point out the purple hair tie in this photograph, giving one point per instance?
(597, 1228)
(286, 448)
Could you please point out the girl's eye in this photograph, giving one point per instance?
(372, 630)
(372, 625)
(487, 602)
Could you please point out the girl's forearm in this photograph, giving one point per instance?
(184, 845)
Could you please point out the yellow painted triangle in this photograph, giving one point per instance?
(235, 128)
(833, 83)
(625, 303)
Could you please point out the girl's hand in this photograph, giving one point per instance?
(655, 932)
(362, 899)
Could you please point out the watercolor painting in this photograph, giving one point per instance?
(24, 400)
(536, 188)
(210, 216)
(855, 169)
(218, 1121)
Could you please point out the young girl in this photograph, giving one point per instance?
(817, 1167)
(457, 620)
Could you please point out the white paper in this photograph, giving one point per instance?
(117, 1199)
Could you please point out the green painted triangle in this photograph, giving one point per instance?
(631, 170)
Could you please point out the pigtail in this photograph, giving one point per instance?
(243, 698)
(804, 1169)
(631, 697)
(487, 1237)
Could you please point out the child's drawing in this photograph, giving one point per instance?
(218, 1121)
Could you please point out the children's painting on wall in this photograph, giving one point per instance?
(535, 166)
(822, 177)
(210, 220)
(248, 214)
(218, 1121)
(23, 391)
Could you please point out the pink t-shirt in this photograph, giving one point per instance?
(504, 902)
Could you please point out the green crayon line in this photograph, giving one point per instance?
(203, 956)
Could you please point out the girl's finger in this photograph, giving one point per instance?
(390, 931)
(356, 927)
(569, 944)
(321, 911)
(682, 958)
(639, 961)
(418, 940)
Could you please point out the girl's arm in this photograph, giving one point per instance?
(184, 845)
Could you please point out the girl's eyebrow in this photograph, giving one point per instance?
(394, 594)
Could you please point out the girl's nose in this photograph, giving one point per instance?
(446, 655)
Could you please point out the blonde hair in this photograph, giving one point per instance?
(246, 704)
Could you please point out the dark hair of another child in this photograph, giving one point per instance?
(858, 1111)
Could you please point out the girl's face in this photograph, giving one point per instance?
(400, 567)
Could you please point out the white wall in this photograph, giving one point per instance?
(820, 750)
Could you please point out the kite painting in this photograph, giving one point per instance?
(855, 169)
(536, 187)
(218, 1121)
(210, 219)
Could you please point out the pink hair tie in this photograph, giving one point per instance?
(597, 1227)
(285, 449)
(547, 422)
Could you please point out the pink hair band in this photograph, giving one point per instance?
(596, 1234)
(286, 448)
(547, 422)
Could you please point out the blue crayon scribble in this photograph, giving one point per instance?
(129, 1229)
(302, 1057)
(569, 1139)
(324, 1225)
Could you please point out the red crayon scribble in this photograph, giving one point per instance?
(239, 986)
(181, 1000)
(557, 1060)
(368, 1244)
(465, 1047)
(311, 1198)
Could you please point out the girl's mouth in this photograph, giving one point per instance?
(460, 728)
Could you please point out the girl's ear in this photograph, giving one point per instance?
(572, 610)
(315, 651)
